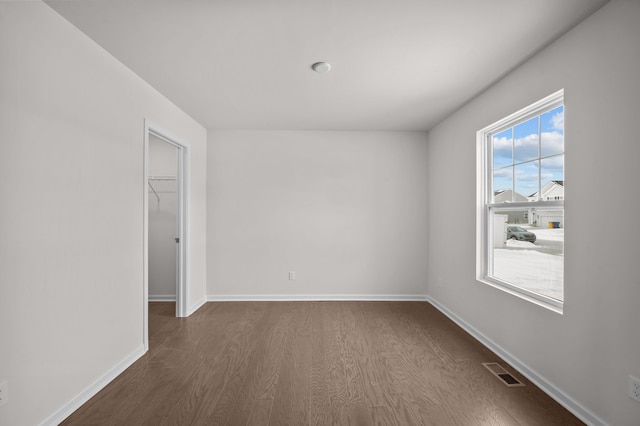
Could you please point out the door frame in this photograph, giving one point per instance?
(182, 222)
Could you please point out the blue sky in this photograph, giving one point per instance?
(519, 153)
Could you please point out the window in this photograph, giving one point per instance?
(521, 203)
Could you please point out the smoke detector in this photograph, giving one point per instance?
(321, 67)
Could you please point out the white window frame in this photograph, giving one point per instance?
(484, 225)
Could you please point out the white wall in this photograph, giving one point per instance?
(588, 352)
(71, 179)
(345, 210)
(163, 162)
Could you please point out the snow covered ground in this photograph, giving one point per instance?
(538, 266)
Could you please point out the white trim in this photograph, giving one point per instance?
(553, 100)
(542, 301)
(183, 273)
(197, 305)
(162, 298)
(145, 240)
(316, 297)
(540, 381)
(67, 409)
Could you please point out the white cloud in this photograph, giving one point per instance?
(506, 172)
(557, 121)
(501, 143)
(526, 177)
(553, 163)
(502, 152)
(546, 177)
(552, 143)
(526, 148)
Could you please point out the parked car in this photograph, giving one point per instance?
(520, 234)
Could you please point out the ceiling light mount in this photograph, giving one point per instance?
(321, 67)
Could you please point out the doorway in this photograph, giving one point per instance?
(162, 186)
(165, 222)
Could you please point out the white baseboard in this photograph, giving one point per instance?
(67, 409)
(162, 298)
(549, 388)
(197, 305)
(315, 297)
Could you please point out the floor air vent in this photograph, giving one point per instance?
(502, 374)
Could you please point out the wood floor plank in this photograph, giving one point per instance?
(471, 404)
(315, 363)
(354, 354)
(260, 413)
(465, 356)
(259, 384)
(334, 366)
(196, 379)
(369, 349)
(366, 355)
(319, 390)
(227, 375)
(291, 401)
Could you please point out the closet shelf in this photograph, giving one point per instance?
(162, 185)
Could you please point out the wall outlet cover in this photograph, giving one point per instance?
(634, 388)
(4, 393)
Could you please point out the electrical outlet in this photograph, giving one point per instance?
(634, 388)
(292, 275)
(4, 393)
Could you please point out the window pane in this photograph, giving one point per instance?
(552, 138)
(527, 178)
(526, 140)
(502, 149)
(552, 178)
(503, 185)
(528, 249)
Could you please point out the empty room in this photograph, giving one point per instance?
(325, 213)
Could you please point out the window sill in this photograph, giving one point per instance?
(542, 301)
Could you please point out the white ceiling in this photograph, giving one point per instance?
(397, 64)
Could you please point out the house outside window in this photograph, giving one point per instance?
(521, 203)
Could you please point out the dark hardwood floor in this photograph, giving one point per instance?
(314, 363)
